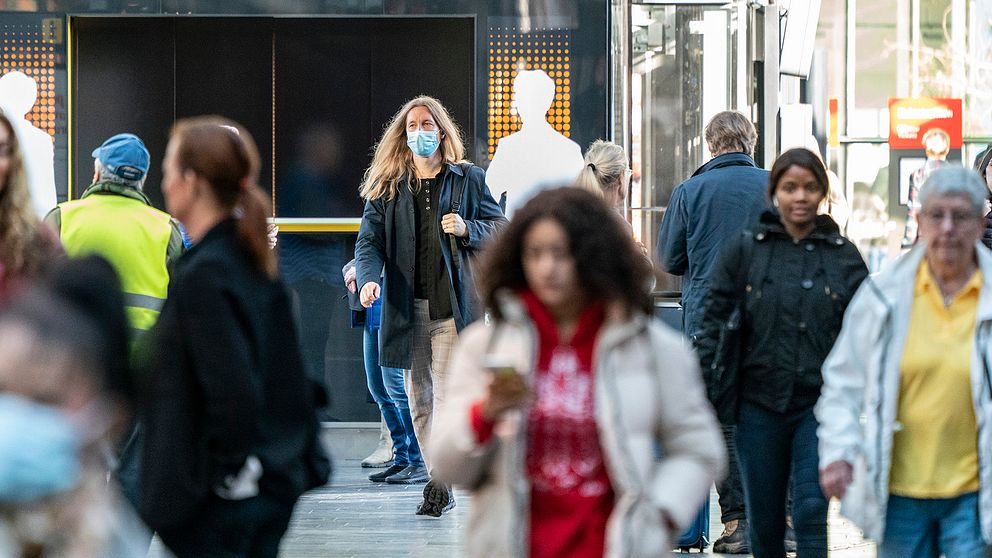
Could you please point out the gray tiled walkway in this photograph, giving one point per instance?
(355, 518)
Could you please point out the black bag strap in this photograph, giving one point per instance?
(457, 188)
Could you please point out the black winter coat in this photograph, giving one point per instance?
(226, 381)
(387, 244)
(794, 296)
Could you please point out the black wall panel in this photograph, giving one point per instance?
(224, 66)
(122, 81)
(337, 81)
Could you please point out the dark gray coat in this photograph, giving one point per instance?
(387, 243)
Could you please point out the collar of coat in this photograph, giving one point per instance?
(895, 283)
(105, 187)
(726, 160)
(770, 224)
(619, 322)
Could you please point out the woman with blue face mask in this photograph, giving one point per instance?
(427, 212)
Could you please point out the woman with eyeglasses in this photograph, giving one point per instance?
(906, 411)
(780, 291)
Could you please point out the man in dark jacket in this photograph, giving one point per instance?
(722, 198)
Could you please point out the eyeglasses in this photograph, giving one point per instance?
(938, 216)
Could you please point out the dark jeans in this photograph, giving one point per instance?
(770, 446)
(249, 528)
(729, 490)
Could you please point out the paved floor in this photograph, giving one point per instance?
(353, 517)
(356, 518)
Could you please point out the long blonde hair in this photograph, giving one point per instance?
(19, 250)
(605, 163)
(393, 160)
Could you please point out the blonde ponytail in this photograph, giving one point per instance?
(605, 164)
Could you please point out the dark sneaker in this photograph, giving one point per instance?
(411, 474)
(734, 539)
(381, 476)
(438, 499)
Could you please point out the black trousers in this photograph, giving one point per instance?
(249, 528)
(730, 490)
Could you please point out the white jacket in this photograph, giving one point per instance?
(647, 389)
(861, 378)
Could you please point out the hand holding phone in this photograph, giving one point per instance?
(508, 389)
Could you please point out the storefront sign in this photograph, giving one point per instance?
(911, 118)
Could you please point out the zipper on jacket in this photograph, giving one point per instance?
(982, 341)
(884, 339)
(613, 394)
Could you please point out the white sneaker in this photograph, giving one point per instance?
(381, 457)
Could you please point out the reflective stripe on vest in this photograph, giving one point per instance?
(133, 237)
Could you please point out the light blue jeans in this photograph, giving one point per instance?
(927, 528)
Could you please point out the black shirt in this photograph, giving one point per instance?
(430, 276)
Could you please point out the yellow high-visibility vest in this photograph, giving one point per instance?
(134, 238)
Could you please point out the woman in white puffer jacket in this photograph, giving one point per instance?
(554, 410)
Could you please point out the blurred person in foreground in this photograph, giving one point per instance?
(56, 419)
(906, 407)
(776, 303)
(27, 247)
(427, 212)
(554, 412)
(230, 421)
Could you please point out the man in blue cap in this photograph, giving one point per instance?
(114, 219)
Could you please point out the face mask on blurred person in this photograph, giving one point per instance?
(38, 450)
(422, 143)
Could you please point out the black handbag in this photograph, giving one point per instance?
(723, 384)
(723, 376)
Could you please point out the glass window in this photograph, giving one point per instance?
(684, 70)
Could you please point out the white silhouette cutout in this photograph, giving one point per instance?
(537, 157)
(18, 93)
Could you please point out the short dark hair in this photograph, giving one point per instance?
(803, 158)
(982, 160)
(608, 263)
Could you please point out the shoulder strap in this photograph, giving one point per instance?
(458, 187)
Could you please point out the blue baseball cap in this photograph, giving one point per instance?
(125, 155)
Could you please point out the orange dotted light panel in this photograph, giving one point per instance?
(31, 49)
(510, 51)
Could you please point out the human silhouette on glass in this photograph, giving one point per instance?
(18, 93)
(537, 157)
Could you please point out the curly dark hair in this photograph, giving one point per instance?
(608, 264)
(803, 158)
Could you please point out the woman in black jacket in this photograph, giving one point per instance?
(791, 278)
(231, 428)
(982, 163)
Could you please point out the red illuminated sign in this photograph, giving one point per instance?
(911, 118)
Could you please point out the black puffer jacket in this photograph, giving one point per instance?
(794, 294)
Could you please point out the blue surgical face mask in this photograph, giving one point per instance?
(38, 450)
(422, 142)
